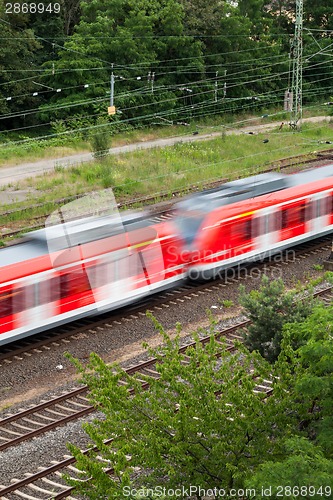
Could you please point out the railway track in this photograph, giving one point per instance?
(73, 405)
(47, 483)
(38, 221)
(64, 334)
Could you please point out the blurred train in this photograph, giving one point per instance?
(96, 264)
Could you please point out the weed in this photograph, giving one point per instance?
(6, 406)
(59, 169)
(226, 303)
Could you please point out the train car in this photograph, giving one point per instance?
(254, 218)
(83, 268)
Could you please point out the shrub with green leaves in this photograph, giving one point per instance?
(269, 308)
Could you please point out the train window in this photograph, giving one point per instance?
(64, 286)
(49, 290)
(258, 226)
(284, 218)
(301, 213)
(322, 207)
(101, 274)
(79, 282)
(275, 221)
(137, 263)
(74, 282)
(308, 211)
(328, 204)
(247, 230)
(292, 216)
(242, 230)
(23, 298)
(6, 304)
(16, 300)
(188, 226)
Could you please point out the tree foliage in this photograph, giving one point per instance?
(173, 60)
(18, 52)
(315, 386)
(308, 454)
(305, 472)
(200, 423)
(269, 309)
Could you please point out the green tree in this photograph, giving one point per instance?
(307, 457)
(305, 472)
(18, 50)
(201, 422)
(269, 308)
(71, 13)
(315, 384)
(130, 38)
(318, 14)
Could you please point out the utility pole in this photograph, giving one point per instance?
(151, 78)
(111, 108)
(296, 108)
(215, 91)
(225, 84)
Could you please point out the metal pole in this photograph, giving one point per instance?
(225, 84)
(215, 93)
(111, 87)
(152, 82)
(296, 110)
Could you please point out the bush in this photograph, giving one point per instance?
(100, 138)
(269, 309)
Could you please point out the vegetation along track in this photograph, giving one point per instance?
(19, 350)
(48, 483)
(37, 222)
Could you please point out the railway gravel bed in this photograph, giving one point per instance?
(48, 373)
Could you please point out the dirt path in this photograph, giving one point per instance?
(10, 175)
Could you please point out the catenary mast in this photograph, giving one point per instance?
(296, 108)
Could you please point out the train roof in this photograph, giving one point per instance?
(234, 191)
(20, 252)
(294, 192)
(88, 229)
(311, 175)
(54, 238)
(249, 187)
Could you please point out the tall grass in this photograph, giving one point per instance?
(170, 169)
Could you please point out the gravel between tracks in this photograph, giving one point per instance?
(35, 377)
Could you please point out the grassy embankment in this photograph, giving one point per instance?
(166, 170)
